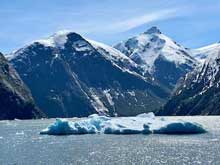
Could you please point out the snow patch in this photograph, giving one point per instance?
(82, 46)
(56, 40)
(109, 97)
(97, 103)
(206, 52)
(132, 93)
(113, 53)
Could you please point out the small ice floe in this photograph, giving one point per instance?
(20, 133)
(140, 124)
(214, 140)
(1, 137)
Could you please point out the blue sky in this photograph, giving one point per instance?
(191, 23)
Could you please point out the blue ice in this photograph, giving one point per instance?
(140, 124)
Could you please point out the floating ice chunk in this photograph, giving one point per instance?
(64, 127)
(20, 133)
(60, 127)
(147, 115)
(93, 124)
(180, 127)
(141, 124)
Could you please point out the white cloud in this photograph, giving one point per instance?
(129, 24)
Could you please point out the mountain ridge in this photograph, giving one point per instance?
(15, 98)
(159, 55)
(138, 74)
(198, 93)
(73, 68)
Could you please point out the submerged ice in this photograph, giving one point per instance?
(140, 124)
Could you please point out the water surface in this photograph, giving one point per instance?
(21, 143)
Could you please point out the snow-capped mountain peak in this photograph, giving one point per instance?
(70, 75)
(147, 47)
(158, 55)
(56, 40)
(210, 58)
(62, 39)
(199, 92)
(207, 52)
(55, 43)
(153, 30)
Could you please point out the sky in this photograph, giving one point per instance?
(191, 23)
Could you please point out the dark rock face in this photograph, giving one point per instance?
(15, 99)
(167, 73)
(78, 79)
(198, 93)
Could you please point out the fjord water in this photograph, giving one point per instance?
(21, 143)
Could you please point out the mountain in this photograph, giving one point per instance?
(15, 99)
(159, 56)
(69, 75)
(202, 53)
(199, 92)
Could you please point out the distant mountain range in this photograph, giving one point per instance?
(70, 75)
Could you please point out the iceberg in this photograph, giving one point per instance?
(140, 124)
(181, 127)
(65, 127)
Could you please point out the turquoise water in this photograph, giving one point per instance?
(21, 143)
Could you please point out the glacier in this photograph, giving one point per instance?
(140, 124)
